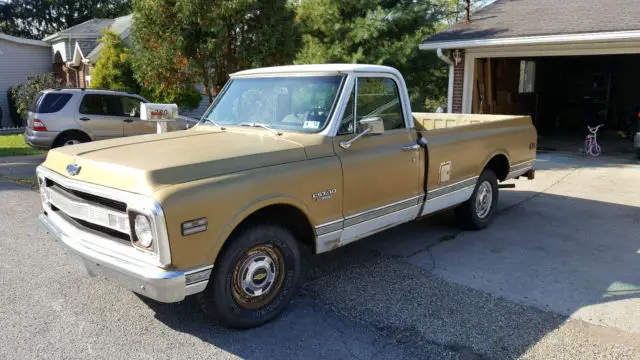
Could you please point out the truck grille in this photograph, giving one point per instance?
(98, 214)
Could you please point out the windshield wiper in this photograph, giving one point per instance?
(267, 127)
(204, 120)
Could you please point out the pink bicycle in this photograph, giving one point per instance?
(591, 146)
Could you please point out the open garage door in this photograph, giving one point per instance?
(564, 94)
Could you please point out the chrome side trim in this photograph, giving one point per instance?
(515, 173)
(519, 169)
(135, 202)
(372, 226)
(380, 211)
(448, 200)
(329, 227)
(432, 194)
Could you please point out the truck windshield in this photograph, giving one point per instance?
(298, 103)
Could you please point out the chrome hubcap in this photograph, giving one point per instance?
(484, 199)
(258, 276)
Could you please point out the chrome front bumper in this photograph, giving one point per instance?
(147, 280)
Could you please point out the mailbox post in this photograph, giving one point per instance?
(160, 113)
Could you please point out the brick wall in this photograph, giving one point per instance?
(458, 83)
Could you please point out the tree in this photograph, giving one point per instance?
(378, 32)
(204, 41)
(24, 94)
(113, 70)
(36, 19)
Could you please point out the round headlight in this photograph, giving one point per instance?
(142, 227)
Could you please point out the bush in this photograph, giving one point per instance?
(13, 109)
(24, 94)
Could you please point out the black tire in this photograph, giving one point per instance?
(472, 218)
(225, 298)
(638, 154)
(66, 139)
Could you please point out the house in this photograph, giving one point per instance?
(565, 63)
(18, 59)
(76, 51)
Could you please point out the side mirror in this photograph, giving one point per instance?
(374, 125)
(371, 126)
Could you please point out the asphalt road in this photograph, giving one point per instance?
(556, 276)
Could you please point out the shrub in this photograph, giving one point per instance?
(13, 109)
(24, 94)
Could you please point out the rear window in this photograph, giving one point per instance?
(50, 102)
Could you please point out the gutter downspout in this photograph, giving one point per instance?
(448, 60)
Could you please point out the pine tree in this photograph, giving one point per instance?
(378, 32)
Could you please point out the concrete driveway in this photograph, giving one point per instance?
(556, 276)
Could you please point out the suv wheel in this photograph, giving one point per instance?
(254, 277)
(69, 139)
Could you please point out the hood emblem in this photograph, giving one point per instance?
(73, 169)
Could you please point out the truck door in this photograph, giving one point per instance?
(380, 172)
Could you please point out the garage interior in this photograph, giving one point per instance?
(563, 94)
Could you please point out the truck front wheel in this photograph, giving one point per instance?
(254, 277)
(478, 212)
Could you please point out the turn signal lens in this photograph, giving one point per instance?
(38, 125)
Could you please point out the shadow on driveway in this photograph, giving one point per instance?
(442, 293)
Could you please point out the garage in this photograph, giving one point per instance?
(567, 64)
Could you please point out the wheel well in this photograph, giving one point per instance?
(72, 132)
(500, 166)
(288, 216)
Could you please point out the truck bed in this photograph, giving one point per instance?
(435, 121)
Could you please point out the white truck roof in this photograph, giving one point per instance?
(317, 68)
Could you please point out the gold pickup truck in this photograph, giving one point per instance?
(320, 155)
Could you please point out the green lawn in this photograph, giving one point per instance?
(12, 145)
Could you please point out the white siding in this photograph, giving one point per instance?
(17, 61)
(62, 48)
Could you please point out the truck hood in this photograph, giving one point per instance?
(143, 164)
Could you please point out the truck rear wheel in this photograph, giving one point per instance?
(478, 212)
(254, 277)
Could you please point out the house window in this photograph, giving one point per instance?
(527, 76)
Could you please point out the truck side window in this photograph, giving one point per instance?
(346, 124)
(379, 97)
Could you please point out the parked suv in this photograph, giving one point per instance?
(61, 117)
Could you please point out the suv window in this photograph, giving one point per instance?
(130, 106)
(50, 102)
(379, 97)
(97, 104)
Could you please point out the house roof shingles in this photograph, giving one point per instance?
(522, 18)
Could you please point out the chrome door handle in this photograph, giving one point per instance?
(411, 147)
(128, 120)
(84, 119)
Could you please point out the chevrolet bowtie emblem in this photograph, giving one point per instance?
(73, 169)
